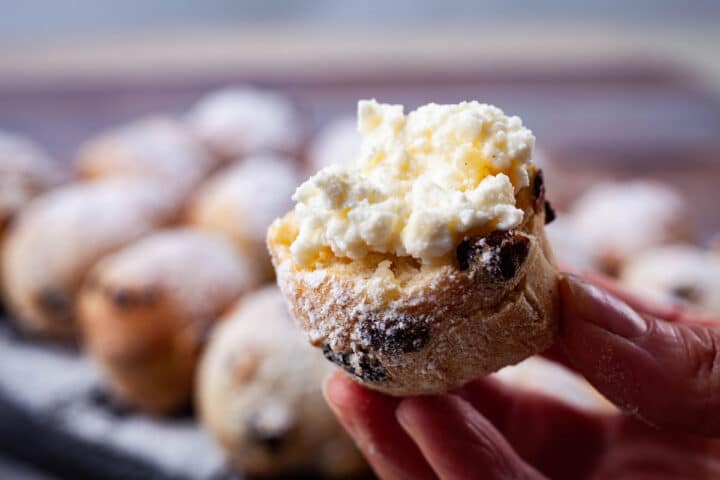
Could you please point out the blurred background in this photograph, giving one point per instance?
(624, 99)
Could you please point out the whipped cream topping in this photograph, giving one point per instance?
(420, 182)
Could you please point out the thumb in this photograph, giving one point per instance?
(666, 373)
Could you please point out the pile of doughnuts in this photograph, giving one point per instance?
(157, 237)
(640, 232)
(152, 256)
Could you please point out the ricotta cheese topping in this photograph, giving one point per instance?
(419, 183)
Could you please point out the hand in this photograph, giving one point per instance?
(659, 365)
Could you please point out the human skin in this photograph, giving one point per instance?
(658, 364)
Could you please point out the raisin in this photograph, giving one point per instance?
(55, 302)
(121, 298)
(687, 293)
(550, 214)
(370, 370)
(101, 398)
(539, 185)
(512, 255)
(463, 253)
(507, 251)
(271, 440)
(399, 336)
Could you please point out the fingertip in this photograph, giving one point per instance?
(339, 392)
(408, 409)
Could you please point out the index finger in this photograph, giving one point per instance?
(664, 311)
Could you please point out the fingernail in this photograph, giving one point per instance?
(591, 304)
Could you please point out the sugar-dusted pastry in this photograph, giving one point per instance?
(551, 379)
(157, 147)
(146, 310)
(243, 200)
(58, 237)
(25, 171)
(619, 220)
(336, 142)
(571, 247)
(681, 274)
(238, 121)
(259, 394)
(425, 263)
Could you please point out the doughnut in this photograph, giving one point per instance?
(544, 377)
(26, 170)
(241, 202)
(154, 147)
(679, 274)
(336, 142)
(259, 394)
(60, 235)
(619, 220)
(425, 264)
(571, 247)
(238, 121)
(146, 310)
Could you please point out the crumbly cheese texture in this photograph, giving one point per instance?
(419, 183)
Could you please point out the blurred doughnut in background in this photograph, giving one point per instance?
(619, 220)
(336, 142)
(259, 394)
(240, 121)
(26, 170)
(242, 200)
(58, 237)
(570, 246)
(682, 275)
(146, 311)
(551, 379)
(155, 147)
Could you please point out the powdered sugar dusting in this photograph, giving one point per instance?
(245, 198)
(241, 121)
(154, 147)
(199, 269)
(25, 170)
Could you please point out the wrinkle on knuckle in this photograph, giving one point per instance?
(701, 347)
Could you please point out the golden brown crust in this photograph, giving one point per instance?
(407, 330)
(150, 363)
(58, 237)
(147, 310)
